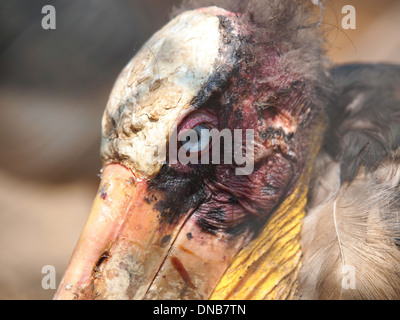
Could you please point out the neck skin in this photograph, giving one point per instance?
(268, 267)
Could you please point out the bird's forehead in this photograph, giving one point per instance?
(181, 56)
(162, 82)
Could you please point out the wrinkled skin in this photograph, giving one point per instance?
(169, 231)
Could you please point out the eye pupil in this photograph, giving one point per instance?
(200, 142)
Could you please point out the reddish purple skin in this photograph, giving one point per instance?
(260, 94)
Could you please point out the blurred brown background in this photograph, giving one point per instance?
(54, 85)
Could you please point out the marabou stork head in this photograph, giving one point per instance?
(164, 228)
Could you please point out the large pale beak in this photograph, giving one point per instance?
(127, 250)
(131, 246)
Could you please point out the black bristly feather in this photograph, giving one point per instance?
(364, 116)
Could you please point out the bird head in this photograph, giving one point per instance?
(172, 224)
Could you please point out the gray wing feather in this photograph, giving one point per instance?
(351, 233)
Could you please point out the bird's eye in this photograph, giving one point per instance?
(196, 139)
